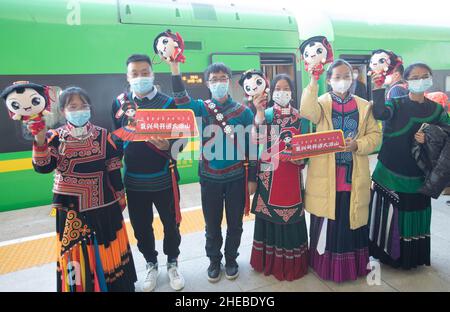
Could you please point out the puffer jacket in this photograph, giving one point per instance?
(433, 157)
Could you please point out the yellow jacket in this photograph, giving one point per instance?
(320, 198)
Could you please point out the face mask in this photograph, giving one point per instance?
(282, 98)
(341, 85)
(355, 76)
(78, 118)
(420, 86)
(219, 90)
(142, 85)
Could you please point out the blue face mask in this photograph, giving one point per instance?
(219, 90)
(420, 85)
(78, 118)
(142, 85)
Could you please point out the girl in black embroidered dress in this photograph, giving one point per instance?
(93, 249)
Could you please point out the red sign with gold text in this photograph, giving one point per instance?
(315, 144)
(165, 124)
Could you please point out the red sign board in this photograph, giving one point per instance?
(315, 144)
(165, 124)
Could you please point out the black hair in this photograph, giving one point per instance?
(285, 134)
(400, 69)
(217, 68)
(139, 58)
(274, 82)
(335, 64)
(409, 69)
(248, 74)
(20, 88)
(68, 93)
(310, 42)
(167, 33)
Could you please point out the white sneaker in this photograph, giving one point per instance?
(151, 277)
(175, 277)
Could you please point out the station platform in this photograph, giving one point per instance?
(28, 252)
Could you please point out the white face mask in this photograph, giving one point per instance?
(341, 85)
(420, 85)
(282, 98)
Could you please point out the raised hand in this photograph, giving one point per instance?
(377, 80)
(260, 102)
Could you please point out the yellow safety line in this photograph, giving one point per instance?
(25, 163)
(42, 251)
(15, 165)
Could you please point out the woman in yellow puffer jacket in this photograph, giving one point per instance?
(338, 185)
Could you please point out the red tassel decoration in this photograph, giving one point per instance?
(247, 195)
(176, 195)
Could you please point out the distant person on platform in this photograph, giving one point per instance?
(359, 88)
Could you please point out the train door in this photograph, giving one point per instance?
(270, 64)
(274, 64)
(239, 63)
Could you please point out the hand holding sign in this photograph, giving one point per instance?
(351, 145)
(320, 143)
(159, 125)
(161, 144)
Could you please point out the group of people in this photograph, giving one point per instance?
(349, 219)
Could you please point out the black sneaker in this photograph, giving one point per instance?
(231, 270)
(214, 271)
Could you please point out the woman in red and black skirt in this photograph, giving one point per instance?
(280, 245)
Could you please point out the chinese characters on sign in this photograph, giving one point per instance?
(165, 124)
(315, 144)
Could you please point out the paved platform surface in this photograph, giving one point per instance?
(27, 253)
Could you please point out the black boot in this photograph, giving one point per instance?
(231, 269)
(214, 271)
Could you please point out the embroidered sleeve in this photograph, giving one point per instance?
(119, 194)
(182, 98)
(45, 157)
(113, 165)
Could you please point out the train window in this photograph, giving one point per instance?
(274, 64)
(362, 85)
(270, 64)
(236, 91)
(360, 81)
(55, 119)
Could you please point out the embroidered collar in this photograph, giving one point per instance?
(284, 111)
(338, 99)
(149, 96)
(79, 133)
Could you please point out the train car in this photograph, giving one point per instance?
(86, 42)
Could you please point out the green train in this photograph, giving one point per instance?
(86, 42)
